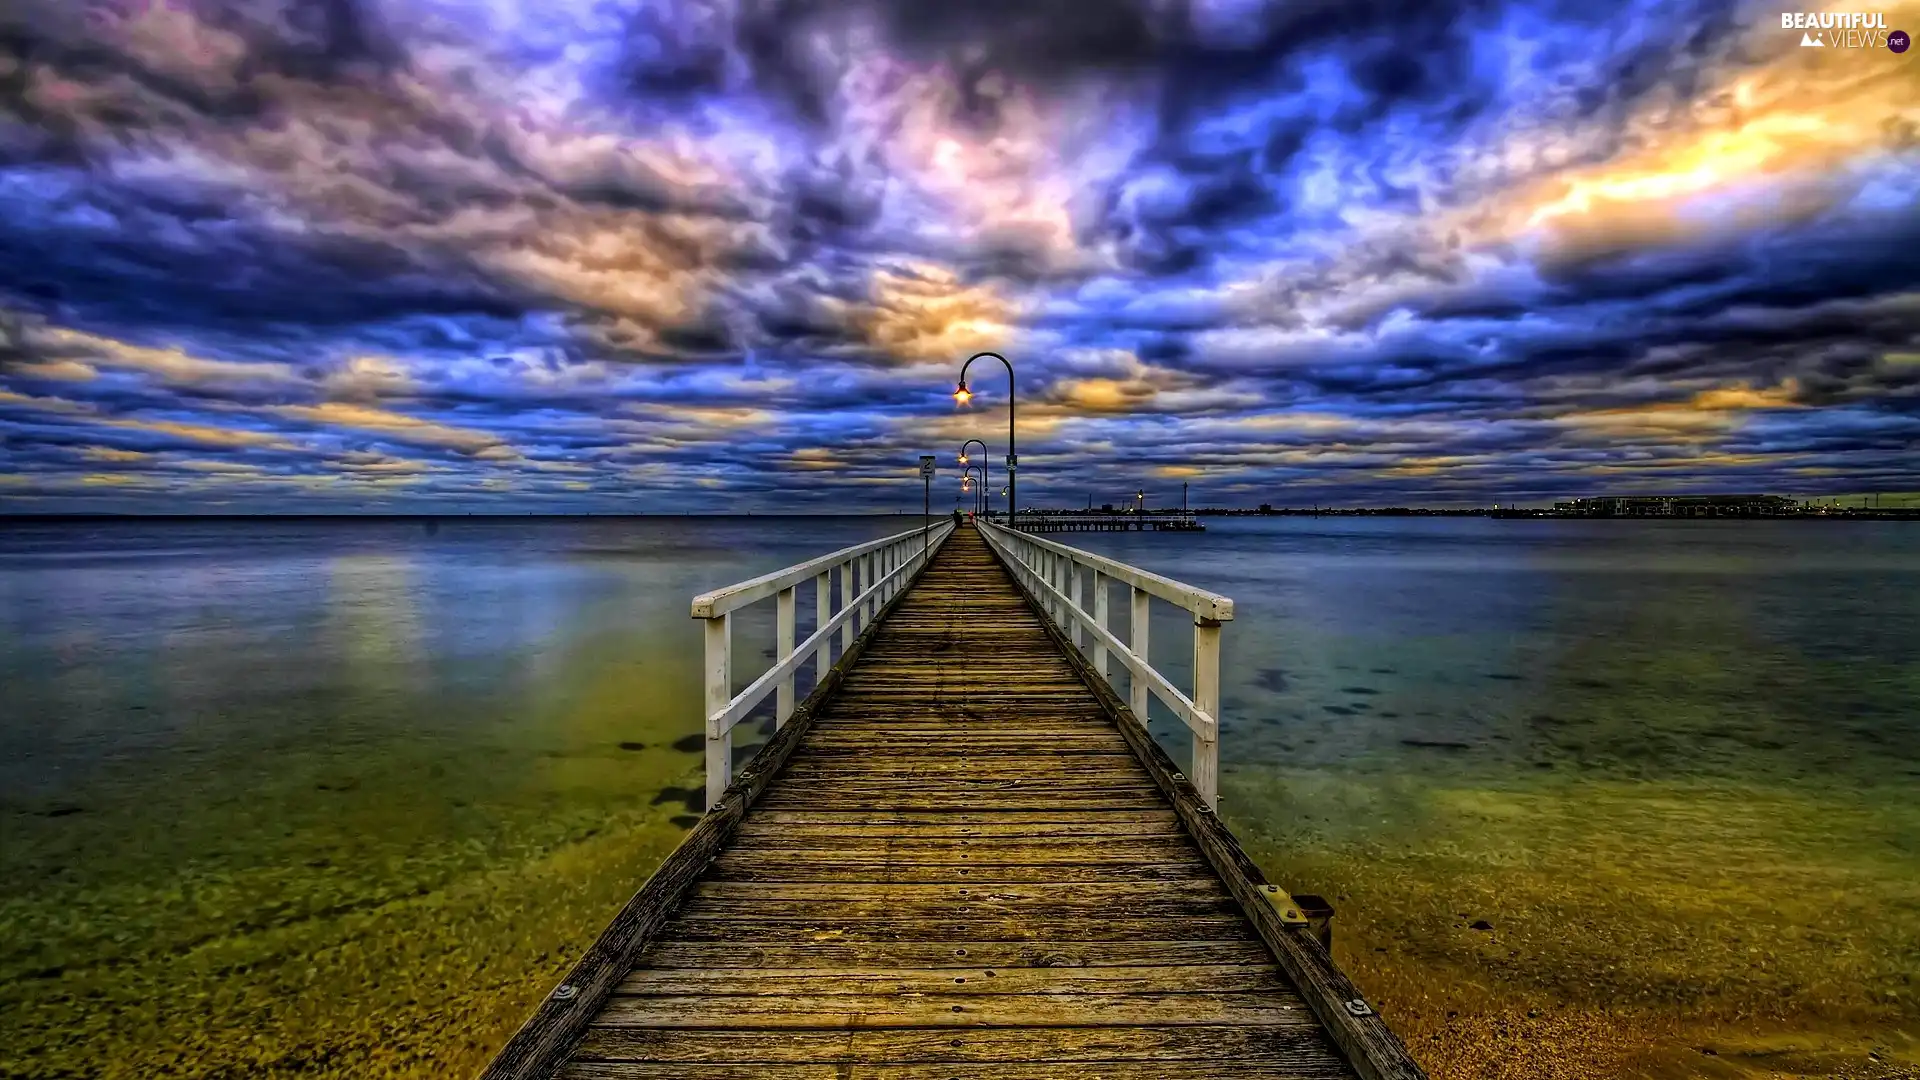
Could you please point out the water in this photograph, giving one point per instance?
(1673, 766)
(338, 798)
(341, 798)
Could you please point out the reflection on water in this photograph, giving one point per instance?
(1671, 765)
(338, 798)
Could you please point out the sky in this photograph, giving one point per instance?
(725, 255)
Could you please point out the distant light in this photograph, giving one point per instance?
(961, 394)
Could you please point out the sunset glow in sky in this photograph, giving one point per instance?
(712, 255)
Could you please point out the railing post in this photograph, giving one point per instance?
(1063, 577)
(719, 678)
(859, 577)
(823, 611)
(783, 612)
(1073, 600)
(846, 602)
(1058, 581)
(1050, 571)
(1046, 576)
(1100, 590)
(1137, 641)
(1206, 698)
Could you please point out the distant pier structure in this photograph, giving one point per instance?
(1105, 521)
(1680, 506)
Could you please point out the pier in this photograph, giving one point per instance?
(1095, 521)
(962, 855)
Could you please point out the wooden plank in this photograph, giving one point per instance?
(1003, 900)
(1308, 1068)
(855, 1011)
(895, 871)
(1066, 911)
(1191, 978)
(1159, 815)
(894, 800)
(975, 853)
(669, 952)
(1300, 1049)
(957, 753)
(753, 830)
(1040, 893)
(1094, 772)
(788, 932)
(831, 744)
(990, 790)
(1021, 779)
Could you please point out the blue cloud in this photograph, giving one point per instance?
(649, 254)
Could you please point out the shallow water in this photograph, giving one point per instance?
(339, 798)
(1672, 765)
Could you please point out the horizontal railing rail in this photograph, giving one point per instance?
(1053, 574)
(868, 576)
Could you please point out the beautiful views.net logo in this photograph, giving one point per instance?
(1844, 30)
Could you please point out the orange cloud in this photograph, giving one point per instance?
(1788, 126)
(174, 366)
(1744, 396)
(924, 312)
(112, 455)
(400, 426)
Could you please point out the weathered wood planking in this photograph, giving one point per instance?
(954, 863)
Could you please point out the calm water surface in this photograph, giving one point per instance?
(1670, 769)
(338, 798)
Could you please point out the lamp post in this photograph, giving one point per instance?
(983, 464)
(962, 395)
(966, 484)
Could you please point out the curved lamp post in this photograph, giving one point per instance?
(983, 463)
(962, 395)
(967, 483)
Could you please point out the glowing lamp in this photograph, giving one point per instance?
(961, 394)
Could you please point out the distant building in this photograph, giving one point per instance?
(1680, 506)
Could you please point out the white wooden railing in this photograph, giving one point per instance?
(1054, 574)
(869, 575)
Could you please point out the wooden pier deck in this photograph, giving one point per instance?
(953, 862)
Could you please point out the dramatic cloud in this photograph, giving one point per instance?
(727, 254)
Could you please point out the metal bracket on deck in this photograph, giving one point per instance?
(1282, 902)
(1307, 909)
